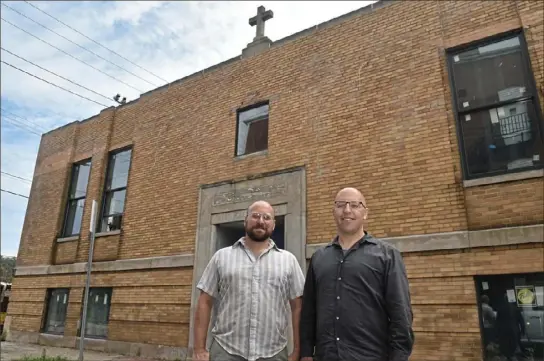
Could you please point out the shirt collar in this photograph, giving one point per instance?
(242, 243)
(366, 238)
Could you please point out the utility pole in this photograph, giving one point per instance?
(88, 281)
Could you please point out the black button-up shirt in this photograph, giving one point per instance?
(356, 304)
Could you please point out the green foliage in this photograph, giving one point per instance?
(7, 268)
(43, 358)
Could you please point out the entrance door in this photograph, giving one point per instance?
(512, 316)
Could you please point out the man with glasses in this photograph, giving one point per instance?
(252, 283)
(356, 301)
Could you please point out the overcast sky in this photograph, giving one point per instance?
(167, 41)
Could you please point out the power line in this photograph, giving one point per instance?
(16, 194)
(14, 176)
(94, 41)
(55, 85)
(23, 124)
(32, 122)
(19, 125)
(60, 76)
(70, 55)
(76, 44)
(26, 121)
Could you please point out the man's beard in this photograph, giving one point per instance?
(258, 237)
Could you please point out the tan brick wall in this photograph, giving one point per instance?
(164, 277)
(493, 260)
(389, 94)
(448, 346)
(508, 204)
(26, 323)
(146, 306)
(443, 294)
(65, 252)
(106, 248)
(443, 290)
(154, 306)
(170, 334)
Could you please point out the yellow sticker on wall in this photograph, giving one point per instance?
(526, 296)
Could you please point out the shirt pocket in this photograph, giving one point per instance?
(367, 266)
(276, 281)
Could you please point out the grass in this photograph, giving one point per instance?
(43, 358)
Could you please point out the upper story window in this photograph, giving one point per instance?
(76, 198)
(113, 206)
(499, 120)
(252, 129)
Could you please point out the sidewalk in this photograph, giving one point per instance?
(11, 351)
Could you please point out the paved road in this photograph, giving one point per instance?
(11, 351)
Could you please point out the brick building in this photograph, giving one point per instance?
(431, 108)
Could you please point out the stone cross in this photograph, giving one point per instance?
(262, 16)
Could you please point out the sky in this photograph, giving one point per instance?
(158, 42)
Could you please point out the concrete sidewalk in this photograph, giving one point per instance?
(11, 351)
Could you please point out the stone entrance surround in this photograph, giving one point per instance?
(228, 202)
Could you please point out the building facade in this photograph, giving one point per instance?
(432, 108)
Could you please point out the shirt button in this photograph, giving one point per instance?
(337, 317)
(337, 297)
(342, 261)
(339, 278)
(337, 339)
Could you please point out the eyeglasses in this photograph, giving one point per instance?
(352, 204)
(265, 216)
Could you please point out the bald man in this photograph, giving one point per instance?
(253, 283)
(356, 302)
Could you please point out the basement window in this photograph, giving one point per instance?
(57, 305)
(98, 312)
(496, 103)
(252, 129)
(511, 310)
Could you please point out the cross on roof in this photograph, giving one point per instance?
(259, 19)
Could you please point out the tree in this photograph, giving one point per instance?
(7, 268)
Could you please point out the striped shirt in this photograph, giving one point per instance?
(252, 298)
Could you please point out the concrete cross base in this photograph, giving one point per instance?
(257, 46)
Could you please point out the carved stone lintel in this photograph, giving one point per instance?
(250, 194)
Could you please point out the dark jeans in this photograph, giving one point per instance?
(218, 353)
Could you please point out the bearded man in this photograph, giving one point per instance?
(252, 284)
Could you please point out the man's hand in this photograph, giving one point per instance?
(307, 359)
(201, 355)
(294, 356)
(202, 320)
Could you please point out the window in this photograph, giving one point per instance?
(252, 130)
(495, 99)
(113, 206)
(57, 305)
(98, 312)
(76, 198)
(511, 310)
